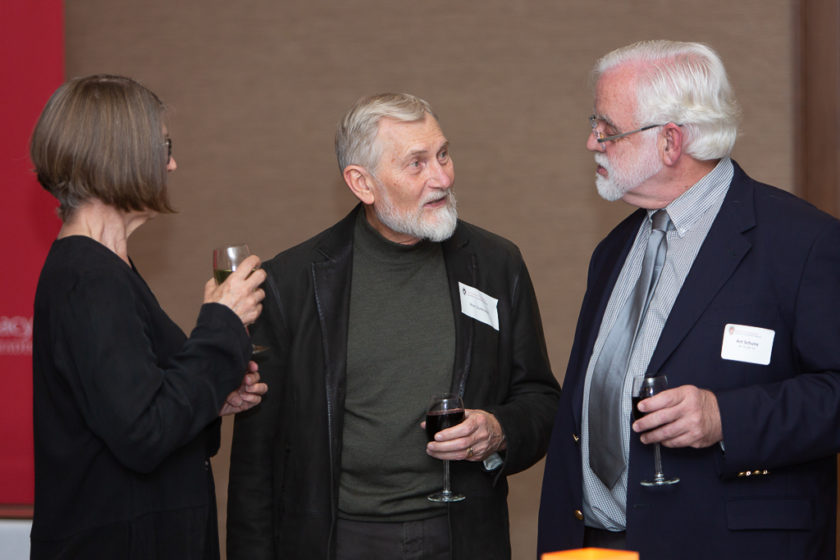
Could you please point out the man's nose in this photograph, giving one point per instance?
(592, 143)
(443, 175)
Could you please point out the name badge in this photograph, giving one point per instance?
(742, 343)
(479, 306)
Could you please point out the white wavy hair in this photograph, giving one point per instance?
(682, 83)
(355, 137)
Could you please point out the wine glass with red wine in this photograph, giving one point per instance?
(445, 410)
(225, 261)
(644, 387)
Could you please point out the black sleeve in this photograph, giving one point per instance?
(144, 409)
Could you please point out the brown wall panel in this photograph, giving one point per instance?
(256, 87)
(817, 131)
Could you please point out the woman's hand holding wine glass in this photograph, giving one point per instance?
(237, 277)
(236, 282)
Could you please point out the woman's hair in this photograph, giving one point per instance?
(686, 84)
(355, 139)
(102, 137)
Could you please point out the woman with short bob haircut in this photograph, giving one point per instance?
(126, 407)
(103, 137)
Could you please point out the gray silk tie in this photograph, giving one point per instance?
(606, 456)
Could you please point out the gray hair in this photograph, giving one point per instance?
(355, 138)
(686, 84)
(101, 137)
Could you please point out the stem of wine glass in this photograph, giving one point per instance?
(657, 462)
(446, 489)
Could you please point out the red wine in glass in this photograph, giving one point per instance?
(445, 410)
(644, 387)
(438, 420)
(637, 414)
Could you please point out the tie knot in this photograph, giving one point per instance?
(660, 220)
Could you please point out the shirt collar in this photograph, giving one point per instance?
(708, 192)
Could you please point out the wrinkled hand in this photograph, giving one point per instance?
(248, 395)
(684, 416)
(240, 291)
(476, 438)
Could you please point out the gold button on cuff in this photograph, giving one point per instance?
(578, 515)
(576, 438)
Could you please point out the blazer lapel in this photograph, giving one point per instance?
(331, 278)
(723, 249)
(461, 266)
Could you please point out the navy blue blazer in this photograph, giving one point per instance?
(772, 261)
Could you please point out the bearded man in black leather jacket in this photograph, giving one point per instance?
(364, 322)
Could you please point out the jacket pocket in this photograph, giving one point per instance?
(769, 513)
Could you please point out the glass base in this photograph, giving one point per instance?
(659, 481)
(446, 496)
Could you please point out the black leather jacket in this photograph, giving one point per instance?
(284, 475)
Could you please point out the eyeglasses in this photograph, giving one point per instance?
(602, 138)
(168, 144)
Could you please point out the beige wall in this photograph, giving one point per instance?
(256, 87)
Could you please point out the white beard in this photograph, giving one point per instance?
(620, 180)
(437, 226)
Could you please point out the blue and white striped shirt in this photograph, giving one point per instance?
(691, 217)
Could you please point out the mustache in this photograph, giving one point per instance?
(435, 197)
(602, 160)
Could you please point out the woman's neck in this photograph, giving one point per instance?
(105, 224)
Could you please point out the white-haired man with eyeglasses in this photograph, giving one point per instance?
(729, 289)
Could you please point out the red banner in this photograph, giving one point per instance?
(32, 66)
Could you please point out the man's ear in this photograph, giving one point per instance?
(360, 182)
(673, 139)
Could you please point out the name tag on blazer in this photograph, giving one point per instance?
(742, 343)
(478, 305)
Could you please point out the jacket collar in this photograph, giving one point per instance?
(722, 251)
(461, 266)
(331, 278)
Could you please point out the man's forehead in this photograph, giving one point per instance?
(614, 93)
(620, 80)
(412, 136)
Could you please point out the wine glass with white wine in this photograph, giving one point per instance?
(225, 261)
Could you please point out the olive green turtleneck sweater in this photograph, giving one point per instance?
(400, 351)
